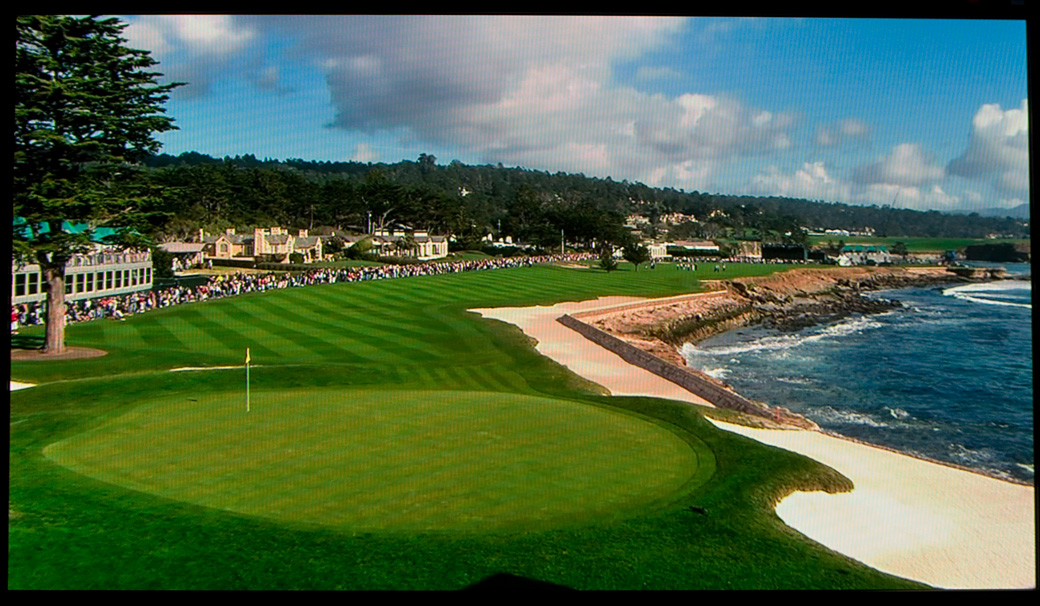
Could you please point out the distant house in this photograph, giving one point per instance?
(423, 246)
(274, 242)
(227, 245)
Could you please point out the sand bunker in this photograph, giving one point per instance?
(919, 520)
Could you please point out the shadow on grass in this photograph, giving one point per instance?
(26, 342)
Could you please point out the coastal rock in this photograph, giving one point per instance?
(787, 301)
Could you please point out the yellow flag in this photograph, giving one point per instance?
(247, 355)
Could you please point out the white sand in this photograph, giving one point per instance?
(922, 521)
(15, 385)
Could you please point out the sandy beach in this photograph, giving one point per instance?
(915, 519)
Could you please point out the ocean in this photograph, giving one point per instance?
(947, 376)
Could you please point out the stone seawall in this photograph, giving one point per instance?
(696, 383)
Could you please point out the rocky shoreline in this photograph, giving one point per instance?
(787, 301)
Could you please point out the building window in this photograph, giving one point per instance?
(19, 285)
(119, 279)
(148, 275)
(126, 278)
(34, 283)
(68, 285)
(90, 282)
(133, 277)
(108, 280)
(100, 280)
(79, 283)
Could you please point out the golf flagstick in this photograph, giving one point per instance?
(247, 379)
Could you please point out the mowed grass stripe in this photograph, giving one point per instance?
(382, 460)
(256, 330)
(191, 336)
(210, 319)
(151, 330)
(359, 328)
(349, 350)
(338, 324)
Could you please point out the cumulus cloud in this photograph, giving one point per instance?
(524, 90)
(812, 181)
(906, 165)
(841, 131)
(196, 34)
(531, 91)
(998, 149)
(194, 48)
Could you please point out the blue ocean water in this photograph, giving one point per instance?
(949, 375)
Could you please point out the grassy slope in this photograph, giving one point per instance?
(914, 245)
(71, 531)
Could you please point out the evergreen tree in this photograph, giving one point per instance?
(86, 110)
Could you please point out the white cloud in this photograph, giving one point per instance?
(998, 149)
(363, 153)
(812, 182)
(906, 165)
(198, 49)
(196, 34)
(528, 91)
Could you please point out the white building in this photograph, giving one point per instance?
(102, 273)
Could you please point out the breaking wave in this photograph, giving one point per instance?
(1007, 292)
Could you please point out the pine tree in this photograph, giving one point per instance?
(86, 111)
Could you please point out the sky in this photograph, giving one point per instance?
(912, 113)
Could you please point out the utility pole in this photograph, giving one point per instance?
(561, 242)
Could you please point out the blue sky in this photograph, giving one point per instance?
(924, 114)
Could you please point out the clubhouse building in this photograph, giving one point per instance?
(104, 271)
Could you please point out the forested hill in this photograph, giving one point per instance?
(471, 201)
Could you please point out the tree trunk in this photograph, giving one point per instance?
(54, 282)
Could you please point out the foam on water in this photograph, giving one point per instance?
(899, 379)
(783, 343)
(993, 293)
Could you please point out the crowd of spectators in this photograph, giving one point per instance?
(227, 285)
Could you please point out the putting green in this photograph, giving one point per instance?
(377, 460)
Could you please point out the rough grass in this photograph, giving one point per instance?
(70, 530)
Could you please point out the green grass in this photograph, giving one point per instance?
(914, 245)
(393, 461)
(124, 475)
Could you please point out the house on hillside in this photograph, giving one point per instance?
(227, 245)
(422, 245)
(274, 242)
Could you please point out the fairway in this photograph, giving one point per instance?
(394, 441)
(376, 460)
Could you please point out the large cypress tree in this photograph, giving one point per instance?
(86, 112)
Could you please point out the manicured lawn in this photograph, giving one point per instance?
(430, 449)
(392, 461)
